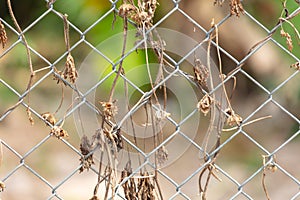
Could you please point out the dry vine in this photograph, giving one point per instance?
(142, 15)
(109, 139)
(268, 167)
(32, 73)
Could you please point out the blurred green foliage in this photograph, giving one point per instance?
(47, 35)
(268, 12)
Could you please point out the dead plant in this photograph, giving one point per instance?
(49, 118)
(59, 132)
(3, 36)
(271, 166)
(30, 118)
(140, 187)
(233, 118)
(288, 39)
(142, 14)
(109, 109)
(296, 65)
(236, 7)
(162, 155)
(86, 149)
(201, 74)
(205, 104)
(2, 186)
(114, 138)
(129, 186)
(32, 72)
(219, 2)
(70, 70)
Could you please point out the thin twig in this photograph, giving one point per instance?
(220, 67)
(248, 123)
(293, 26)
(209, 130)
(32, 73)
(213, 114)
(62, 98)
(264, 184)
(280, 21)
(120, 70)
(66, 31)
(21, 34)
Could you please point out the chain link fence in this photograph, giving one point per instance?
(143, 111)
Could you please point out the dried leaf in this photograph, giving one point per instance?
(272, 167)
(296, 65)
(162, 155)
(236, 8)
(205, 104)
(70, 70)
(129, 186)
(219, 2)
(58, 77)
(49, 118)
(3, 36)
(30, 118)
(146, 188)
(2, 186)
(94, 198)
(149, 6)
(86, 148)
(127, 10)
(201, 74)
(58, 132)
(288, 39)
(114, 138)
(143, 15)
(109, 109)
(233, 119)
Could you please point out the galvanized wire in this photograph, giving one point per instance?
(82, 100)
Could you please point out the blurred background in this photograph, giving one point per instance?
(241, 157)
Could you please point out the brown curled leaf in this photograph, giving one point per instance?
(204, 104)
(127, 10)
(2, 186)
(30, 118)
(94, 198)
(219, 2)
(3, 36)
(49, 118)
(236, 8)
(109, 109)
(288, 39)
(70, 70)
(162, 155)
(201, 73)
(58, 132)
(233, 119)
(296, 65)
(85, 149)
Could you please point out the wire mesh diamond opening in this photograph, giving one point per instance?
(150, 100)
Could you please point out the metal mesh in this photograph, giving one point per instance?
(239, 167)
